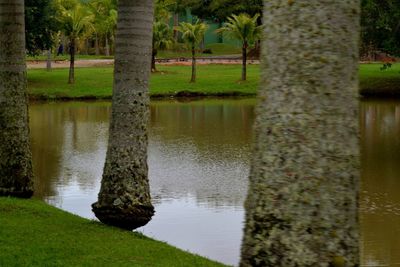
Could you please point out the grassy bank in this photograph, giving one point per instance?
(212, 80)
(375, 82)
(33, 233)
(171, 80)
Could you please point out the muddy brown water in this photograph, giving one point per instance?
(198, 165)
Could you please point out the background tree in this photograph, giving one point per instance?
(124, 198)
(192, 35)
(221, 9)
(380, 26)
(104, 20)
(41, 25)
(162, 39)
(16, 176)
(76, 19)
(243, 28)
(301, 207)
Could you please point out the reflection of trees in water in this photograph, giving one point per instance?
(196, 149)
(380, 189)
(201, 149)
(66, 138)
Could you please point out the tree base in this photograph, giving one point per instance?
(128, 218)
(5, 192)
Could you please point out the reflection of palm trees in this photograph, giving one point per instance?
(201, 148)
(65, 137)
(380, 198)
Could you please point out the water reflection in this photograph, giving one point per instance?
(380, 189)
(199, 159)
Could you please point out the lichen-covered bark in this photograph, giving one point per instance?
(301, 208)
(16, 177)
(124, 198)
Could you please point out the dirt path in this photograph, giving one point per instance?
(108, 62)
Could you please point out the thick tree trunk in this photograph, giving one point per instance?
(301, 208)
(71, 77)
(124, 198)
(16, 176)
(193, 78)
(244, 60)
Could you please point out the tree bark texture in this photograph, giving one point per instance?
(302, 203)
(124, 198)
(16, 176)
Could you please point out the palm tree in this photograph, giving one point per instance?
(192, 35)
(301, 207)
(162, 39)
(16, 176)
(124, 198)
(243, 28)
(105, 20)
(76, 19)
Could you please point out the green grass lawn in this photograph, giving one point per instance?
(212, 80)
(33, 233)
(97, 82)
(376, 82)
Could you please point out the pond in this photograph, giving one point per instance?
(199, 155)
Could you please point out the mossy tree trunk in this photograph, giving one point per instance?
(124, 198)
(301, 208)
(16, 176)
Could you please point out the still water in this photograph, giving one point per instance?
(198, 164)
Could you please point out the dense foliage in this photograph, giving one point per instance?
(221, 9)
(41, 25)
(380, 21)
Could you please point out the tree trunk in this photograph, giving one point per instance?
(87, 46)
(244, 60)
(16, 176)
(302, 203)
(193, 78)
(71, 77)
(96, 45)
(153, 60)
(124, 198)
(176, 23)
(107, 46)
(48, 61)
